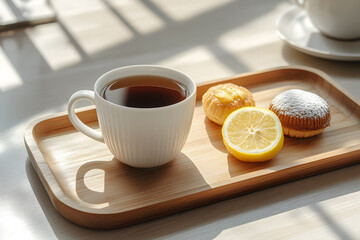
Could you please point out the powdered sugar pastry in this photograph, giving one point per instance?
(301, 104)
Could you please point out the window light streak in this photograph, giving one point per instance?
(34, 9)
(54, 45)
(244, 37)
(71, 7)
(181, 10)
(9, 78)
(245, 43)
(2, 148)
(6, 14)
(16, 227)
(142, 19)
(198, 56)
(94, 30)
(330, 219)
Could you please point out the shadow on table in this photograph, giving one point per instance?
(211, 220)
(331, 67)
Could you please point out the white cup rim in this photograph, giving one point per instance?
(156, 70)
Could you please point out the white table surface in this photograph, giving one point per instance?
(41, 67)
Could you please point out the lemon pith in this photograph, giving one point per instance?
(253, 134)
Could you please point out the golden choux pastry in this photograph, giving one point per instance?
(220, 100)
(302, 114)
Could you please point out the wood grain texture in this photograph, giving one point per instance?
(88, 186)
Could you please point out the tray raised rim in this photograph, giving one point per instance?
(64, 205)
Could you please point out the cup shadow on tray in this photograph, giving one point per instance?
(113, 185)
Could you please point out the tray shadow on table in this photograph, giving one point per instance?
(350, 70)
(268, 201)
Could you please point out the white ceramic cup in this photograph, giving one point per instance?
(139, 137)
(334, 18)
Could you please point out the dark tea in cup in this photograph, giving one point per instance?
(144, 91)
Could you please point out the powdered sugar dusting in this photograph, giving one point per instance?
(301, 104)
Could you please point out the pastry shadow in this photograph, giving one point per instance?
(214, 134)
(237, 167)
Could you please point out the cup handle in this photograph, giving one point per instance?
(299, 3)
(78, 124)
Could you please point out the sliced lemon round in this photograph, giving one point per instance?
(253, 134)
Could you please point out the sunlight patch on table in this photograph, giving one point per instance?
(9, 78)
(94, 29)
(193, 62)
(330, 219)
(2, 148)
(71, 7)
(141, 18)
(340, 214)
(16, 226)
(34, 9)
(6, 14)
(271, 57)
(9, 137)
(246, 43)
(181, 10)
(282, 226)
(248, 36)
(54, 45)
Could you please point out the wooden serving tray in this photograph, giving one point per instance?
(88, 186)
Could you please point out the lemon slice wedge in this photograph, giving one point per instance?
(253, 134)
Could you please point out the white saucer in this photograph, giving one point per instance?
(295, 28)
